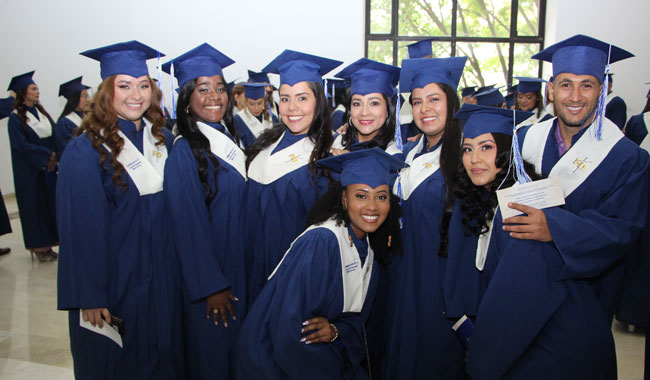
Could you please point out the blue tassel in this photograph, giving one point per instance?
(327, 95)
(333, 95)
(398, 126)
(515, 156)
(602, 103)
(171, 72)
(162, 98)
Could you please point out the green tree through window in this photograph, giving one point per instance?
(497, 36)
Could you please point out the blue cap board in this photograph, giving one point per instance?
(527, 85)
(370, 167)
(421, 49)
(129, 58)
(69, 88)
(295, 67)
(337, 84)
(582, 55)
(21, 81)
(479, 120)
(255, 77)
(490, 98)
(367, 76)
(419, 72)
(202, 61)
(468, 91)
(512, 89)
(254, 91)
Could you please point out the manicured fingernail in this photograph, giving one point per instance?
(305, 323)
(303, 340)
(308, 342)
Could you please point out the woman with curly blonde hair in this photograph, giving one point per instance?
(116, 268)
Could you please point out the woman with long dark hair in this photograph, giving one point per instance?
(284, 180)
(308, 321)
(77, 103)
(528, 97)
(117, 266)
(421, 343)
(526, 318)
(370, 107)
(34, 162)
(205, 183)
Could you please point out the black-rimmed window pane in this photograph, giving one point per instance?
(380, 16)
(487, 62)
(528, 18)
(523, 65)
(425, 18)
(381, 51)
(481, 18)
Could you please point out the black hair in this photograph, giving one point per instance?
(647, 105)
(329, 205)
(21, 108)
(320, 133)
(539, 103)
(199, 144)
(71, 104)
(386, 132)
(479, 202)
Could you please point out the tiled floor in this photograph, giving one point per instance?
(34, 335)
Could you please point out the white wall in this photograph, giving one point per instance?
(621, 23)
(47, 36)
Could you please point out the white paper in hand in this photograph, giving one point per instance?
(538, 194)
(108, 331)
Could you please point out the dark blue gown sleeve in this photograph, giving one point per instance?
(64, 130)
(245, 135)
(82, 216)
(636, 130)
(37, 155)
(6, 106)
(191, 224)
(616, 111)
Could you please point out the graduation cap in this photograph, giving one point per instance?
(490, 97)
(367, 76)
(419, 72)
(295, 67)
(21, 81)
(484, 88)
(337, 84)
(421, 49)
(202, 61)
(372, 167)
(254, 91)
(512, 89)
(483, 119)
(510, 100)
(69, 88)
(256, 77)
(129, 58)
(468, 91)
(527, 85)
(582, 55)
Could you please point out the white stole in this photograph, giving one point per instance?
(224, 148)
(419, 169)
(267, 168)
(580, 160)
(42, 127)
(254, 125)
(356, 276)
(338, 142)
(74, 118)
(645, 144)
(145, 169)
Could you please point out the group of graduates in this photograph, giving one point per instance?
(292, 241)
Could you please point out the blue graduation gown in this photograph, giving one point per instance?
(64, 130)
(602, 218)
(276, 213)
(209, 244)
(616, 111)
(337, 119)
(636, 130)
(5, 224)
(116, 253)
(422, 344)
(35, 186)
(6, 106)
(530, 324)
(247, 137)
(307, 284)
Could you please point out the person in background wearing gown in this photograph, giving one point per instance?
(417, 315)
(255, 117)
(205, 183)
(308, 321)
(117, 266)
(371, 112)
(6, 106)
(34, 162)
(73, 112)
(528, 97)
(283, 178)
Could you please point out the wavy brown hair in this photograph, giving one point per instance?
(100, 125)
(21, 110)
